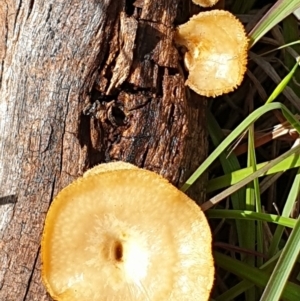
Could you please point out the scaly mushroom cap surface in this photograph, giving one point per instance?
(126, 234)
(216, 54)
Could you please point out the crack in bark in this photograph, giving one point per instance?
(31, 274)
(3, 43)
(17, 12)
(49, 10)
(30, 8)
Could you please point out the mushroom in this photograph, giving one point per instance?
(216, 55)
(205, 3)
(108, 167)
(124, 233)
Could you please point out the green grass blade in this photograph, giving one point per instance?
(229, 164)
(236, 133)
(280, 10)
(256, 195)
(292, 161)
(235, 291)
(288, 207)
(259, 278)
(251, 215)
(214, 200)
(283, 268)
(242, 286)
(281, 47)
(281, 86)
(249, 231)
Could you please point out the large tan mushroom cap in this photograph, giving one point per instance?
(126, 235)
(217, 52)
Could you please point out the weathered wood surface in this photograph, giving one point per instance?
(51, 54)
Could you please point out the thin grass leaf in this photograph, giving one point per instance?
(236, 133)
(235, 291)
(242, 286)
(273, 74)
(292, 161)
(249, 231)
(280, 10)
(214, 200)
(281, 47)
(283, 268)
(288, 207)
(229, 164)
(256, 195)
(281, 86)
(251, 215)
(259, 278)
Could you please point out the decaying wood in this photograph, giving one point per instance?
(55, 122)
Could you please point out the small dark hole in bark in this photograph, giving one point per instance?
(129, 7)
(173, 71)
(118, 251)
(84, 127)
(118, 116)
(97, 95)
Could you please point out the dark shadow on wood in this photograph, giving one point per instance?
(8, 199)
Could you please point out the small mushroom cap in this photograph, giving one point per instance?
(205, 3)
(216, 54)
(126, 234)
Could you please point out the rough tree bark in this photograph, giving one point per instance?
(83, 82)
